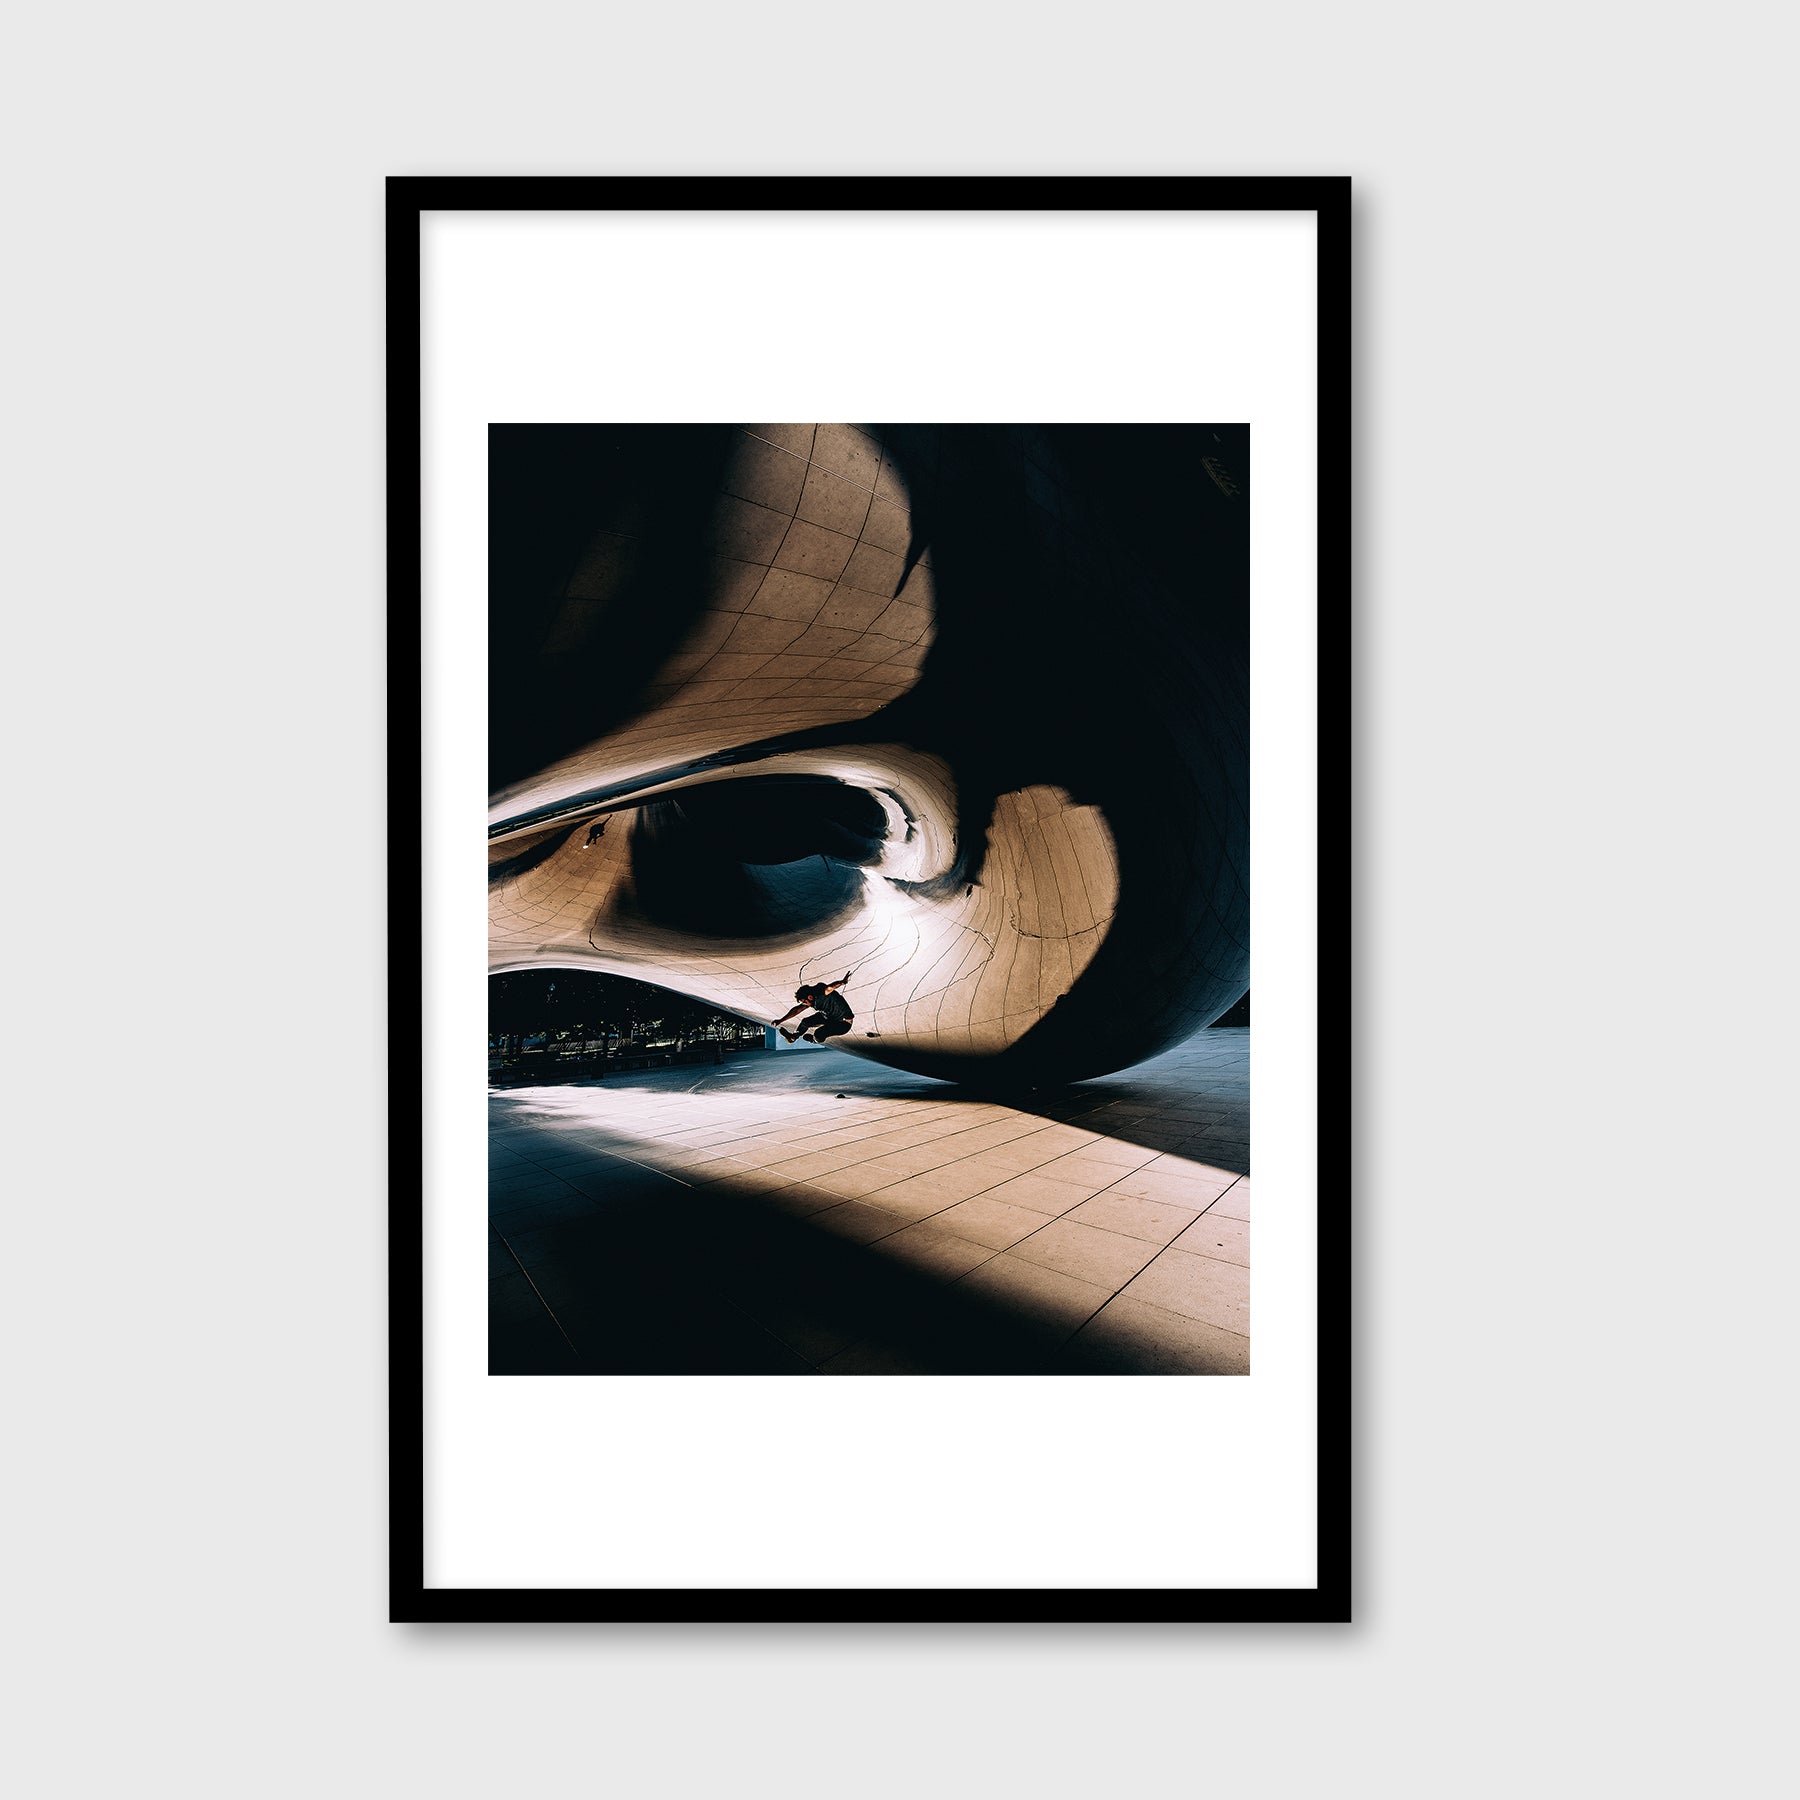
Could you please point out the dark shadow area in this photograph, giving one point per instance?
(632, 1272)
(779, 819)
(1200, 1127)
(1237, 1015)
(598, 566)
(761, 857)
(1156, 1106)
(1091, 586)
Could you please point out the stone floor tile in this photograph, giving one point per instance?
(525, 1182)
(808, 1334)
(858, 1179)
(859, 1223)
(714, 1168)
(926, 1246)
(1187, 1168)
(892, 1139)
(946, 1185)
(985, 1220)
(1234, 1203)
(757, 1153)
(660, 1156)
(972, 1135)
(1132, 1338)
(870, 1358)
(576, 1170)
(1069, 1137)
(554, 1162)
(1218, 1235)
(919, 1159)
(1040, 1295)
(1109, 1153)
(623, 1170)
(823, 1162)
(1155, 1221)
(1108, 1259)
(800, 1199)
(512, 1298)
(1230, 1155)
(1017, 1155)
(704, 1138)
(1080, 1170)
(529, 1346)
(1216, 1293)
(905, 1202)
(809, 1143)
(541, 1244)
(1050, 1198)
(533, 1215)
(745, 1179)
(1194, 1187)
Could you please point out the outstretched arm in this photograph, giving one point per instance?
(833, 986)
(792, 1012)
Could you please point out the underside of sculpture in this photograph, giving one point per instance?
(963, 709)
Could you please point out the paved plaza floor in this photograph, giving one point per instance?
(806, 1211)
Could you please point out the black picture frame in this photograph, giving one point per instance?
(409, 1598)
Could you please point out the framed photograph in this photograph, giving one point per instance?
(832, 845)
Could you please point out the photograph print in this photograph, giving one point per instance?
(868, 899)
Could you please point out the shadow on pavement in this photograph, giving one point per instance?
(649, 1277)
(602, 1265)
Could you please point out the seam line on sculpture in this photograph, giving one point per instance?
(812, 462)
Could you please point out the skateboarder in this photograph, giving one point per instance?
(827, 1012)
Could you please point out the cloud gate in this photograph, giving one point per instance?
(962, 709)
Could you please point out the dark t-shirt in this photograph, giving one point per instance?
(835, 1006)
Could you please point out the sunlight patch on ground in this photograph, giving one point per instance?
(742, 1131)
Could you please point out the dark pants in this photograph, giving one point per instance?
(822, 1027)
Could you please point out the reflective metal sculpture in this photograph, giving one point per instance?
(963, 709)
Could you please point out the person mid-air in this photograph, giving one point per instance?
(827, 1012)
